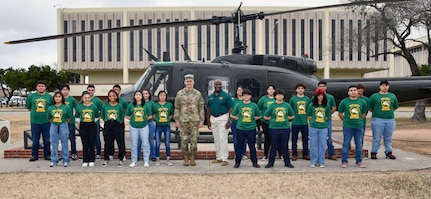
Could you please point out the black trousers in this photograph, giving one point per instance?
(114, 131)
(87, 131)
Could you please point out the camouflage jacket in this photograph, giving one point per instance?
(189, 106)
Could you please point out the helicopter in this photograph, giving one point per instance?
(253, 71)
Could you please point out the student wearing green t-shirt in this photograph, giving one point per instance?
(72, 103)
(59, 115)
(163, 112)
(246, 114)
(113, 131)
(333, 107)
(91, 89)
(238, 99)
(383, 105)
(317, 114)
(87, 114)
(38, 104)
(151, 125)
(299, 104)
(352, 111)
(279, 113)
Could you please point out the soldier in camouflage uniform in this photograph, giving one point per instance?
(189, 117)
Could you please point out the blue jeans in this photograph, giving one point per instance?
(279, 139)
(235, 138)
(36, 130)
(166, 129)
(72, 138)
(141, 134)
(357, 134)
(318, 142)
(59, 132)
(382, 128)
(329, 141)
(97, 142)
(151, 130)
(250, 136)
(295, 133)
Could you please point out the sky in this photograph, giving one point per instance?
(21, 19)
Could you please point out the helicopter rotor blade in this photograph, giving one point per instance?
(356, 3)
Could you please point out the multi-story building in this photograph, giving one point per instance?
(327, 36)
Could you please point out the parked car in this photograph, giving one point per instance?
(17, 101)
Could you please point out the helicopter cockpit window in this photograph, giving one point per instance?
(250, 83)
(224, 80)
(158, 81)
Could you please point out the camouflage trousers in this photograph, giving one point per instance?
(189, 132)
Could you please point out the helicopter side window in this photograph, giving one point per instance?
(158, 82)
(250, 83)
(224, 80)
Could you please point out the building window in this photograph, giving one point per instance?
(74, 41)
(359, 40)
(208, 42)
(226, 39)
(65, 42)
(266, 36)
(150, 39)
(311, 39)
(118, 42)
(217, 40)
(385, 47)
(132, 41)
(168, 39)
(284, 36)
(302, 37)
(109, 41)
(244, 35)
(342, 40)
(141, 42)
(376, 45)
(368, 38)
(159, 40)
(320, 40)
(333, 39)
(186, 37)
(92, 42)
(177, 42)
(83, 42)
(350, 40)
(199, 42)
(100, 41)
(275, 30)
(293, 37)
(253, 36)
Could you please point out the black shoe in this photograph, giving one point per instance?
(47, 158)
(255, 165)
(374, 156)
(268, 165)
(32, 159)
(390, 156)
(236, 165)
(289, 165)
(153, 159)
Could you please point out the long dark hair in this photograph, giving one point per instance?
(142, 99)
(149, 97)
(236, 93)
(113, 91)
(318, 92)
(63, 101)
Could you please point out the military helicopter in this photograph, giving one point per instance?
(253, 71)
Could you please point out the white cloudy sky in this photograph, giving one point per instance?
(20, 19)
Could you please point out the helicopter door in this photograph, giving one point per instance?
(158, 81)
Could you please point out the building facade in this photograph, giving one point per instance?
(326, 36)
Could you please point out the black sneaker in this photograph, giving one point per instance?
(374, 156)
(74, 157)
(289, 165)
(47, 158)
(153, 159)
(32, 159)
(269, 166)
(390, 156)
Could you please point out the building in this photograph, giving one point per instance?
(119, 57)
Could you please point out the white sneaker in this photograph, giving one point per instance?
(146, 165)
(98, 157)
(169, 163)
(244, 157)
(312, 165)
(264, 158)
(85, 164)
(105, 164)
(52, 164)
(124, 158)
(65, 164)
(133, 164)
(91, 164)
(322, 166)
(158, 163)
(111, 157)
(120, 164)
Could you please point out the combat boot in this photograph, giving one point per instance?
(186, 160)
(192, 160)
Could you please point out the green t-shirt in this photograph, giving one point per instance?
(331, 103)
(279, 115)
(150, 108)
(299, 106)
(246, 114)
(87, 113)
(367, 102)
(72, 103)
(219, 104)
(319, 116)
(263, 104)
(123, 102)
(138, 115)
(38, 106)
(163, 113)
(352, 110)
(59, 114)
(383, 105)
(112, 112)
(235, 102)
